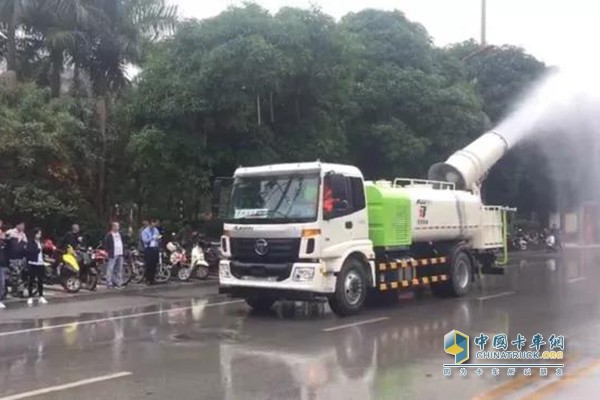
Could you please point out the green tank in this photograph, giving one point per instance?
(389, 212)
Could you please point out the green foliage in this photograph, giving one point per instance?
(36, 156)
(245, 87)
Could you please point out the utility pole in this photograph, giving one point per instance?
(483, 23)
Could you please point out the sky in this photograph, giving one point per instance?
(558, 32)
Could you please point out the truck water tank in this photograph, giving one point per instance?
(400, 216)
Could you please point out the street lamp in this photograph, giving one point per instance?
(483, 23)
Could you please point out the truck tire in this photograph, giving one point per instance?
(260, 304)
(350, 289)
(459, 283)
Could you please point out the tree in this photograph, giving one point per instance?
(127, 28)
(410, 109)
(36, 157)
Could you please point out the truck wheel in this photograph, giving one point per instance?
(460, 277)
(350, 289)
(260, 304)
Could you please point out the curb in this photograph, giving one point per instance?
(86, 295)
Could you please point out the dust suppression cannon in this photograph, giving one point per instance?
(468, 167)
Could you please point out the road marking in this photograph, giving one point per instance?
(368, 321)
(578, 279)
(506, 388)
(554, 386)
(517, 384)
(66, 386)
(494, 296)
(119, 317)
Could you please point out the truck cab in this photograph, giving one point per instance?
(297, 231)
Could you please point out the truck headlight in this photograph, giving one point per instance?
(303, 274)
(224, 271)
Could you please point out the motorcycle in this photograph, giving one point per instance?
(213, 255)
(89, 270)
(62, 267)
(136, 262)
(163, 270)
(518, 243)
(179, 261)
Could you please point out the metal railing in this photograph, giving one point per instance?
(440, 185)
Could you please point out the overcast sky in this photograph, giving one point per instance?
(560, 32)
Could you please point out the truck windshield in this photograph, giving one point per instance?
(275, 199)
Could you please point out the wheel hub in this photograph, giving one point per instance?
(462, 273)
(353, 288)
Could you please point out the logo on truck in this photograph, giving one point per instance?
(422, 212)
(261, 247)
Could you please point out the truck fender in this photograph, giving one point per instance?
(362, 256)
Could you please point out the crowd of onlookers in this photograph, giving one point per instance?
(22, 255)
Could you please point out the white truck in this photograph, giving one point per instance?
(315, 230)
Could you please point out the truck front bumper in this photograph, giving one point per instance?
(300, 284)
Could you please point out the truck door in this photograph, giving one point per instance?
(339, 215)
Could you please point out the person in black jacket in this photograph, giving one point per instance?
(35, 260)
(71, 238)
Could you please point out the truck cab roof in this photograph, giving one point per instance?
(302, 167)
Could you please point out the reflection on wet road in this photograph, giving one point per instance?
(194, 344)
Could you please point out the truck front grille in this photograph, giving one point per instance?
(253, 250)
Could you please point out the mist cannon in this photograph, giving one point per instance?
(467, 167)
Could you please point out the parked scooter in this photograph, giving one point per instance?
(62, 267)
(197, 268)
(551, 244)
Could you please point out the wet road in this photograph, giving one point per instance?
(194, 344)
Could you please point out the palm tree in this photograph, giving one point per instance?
(11, 14)
(128, 27)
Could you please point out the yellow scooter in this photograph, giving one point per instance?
(63, 268)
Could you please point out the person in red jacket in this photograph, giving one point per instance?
(328, 200)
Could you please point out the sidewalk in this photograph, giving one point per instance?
(56, 293)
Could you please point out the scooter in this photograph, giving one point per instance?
(551, 245)
(198, 267)
(62, 267)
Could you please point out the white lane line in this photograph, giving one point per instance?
(66, 386)
(337, 328)
(95, 321)
(494, 296)
(578, 279)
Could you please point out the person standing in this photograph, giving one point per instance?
(35, 259)
(145, 224)
(3, 265)
(113, 244)
(151, 238)
(71, 238)
(17, 258)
